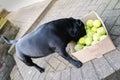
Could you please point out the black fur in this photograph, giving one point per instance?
(49, 38)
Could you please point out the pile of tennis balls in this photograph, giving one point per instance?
(95, 33)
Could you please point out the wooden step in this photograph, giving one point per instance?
(4, 13)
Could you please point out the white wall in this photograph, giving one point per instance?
(12, 5)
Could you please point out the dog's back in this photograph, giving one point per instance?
(38, 42)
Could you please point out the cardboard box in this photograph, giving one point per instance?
(96, 50)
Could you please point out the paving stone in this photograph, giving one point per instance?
(92, 7)
(76, 74)
(102, 1)
(57, 76)
(117, 41)
(111, 13)
(65, 75)
(56, 55)
(15, 74)
(115, 30)
(114, 59)
(113, 37)
(43, 62)
(112, 4)
(118, 5)
(104, 19)
(118, 21)
(106, 1)
(42, 76)
(54, 62)
(74, 6)
(68, 13)
(36, 75)
(83, 12)
(99, 2)
(61, 66)
(118, 47)
(87, 3)
(49, 76)
(93, 2)
(6, 77)
(25, 71)
(48, 57)
(109, 23)
(101, 8)
(63, 60)
(40, 62)
(20, 66)
(102, 68)
(77, 11)
(10, 62)
(51, 70)
(88, 72)
(3, 71)
(70, 66)
(29, 74)
(48, 68)
(112, 77)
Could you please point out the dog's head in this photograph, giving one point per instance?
(77, 30)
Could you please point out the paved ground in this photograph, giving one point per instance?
(106, 67)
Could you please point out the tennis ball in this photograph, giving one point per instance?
(90, 33)
(97, 23)
(78, 47)
(85, 47)
(88, 41)
(102, 37)
(82, 40)
(96, 37)
(94, 42)
(94, 29)
(89, 23)
(101, 31)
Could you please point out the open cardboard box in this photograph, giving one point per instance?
(96, 50)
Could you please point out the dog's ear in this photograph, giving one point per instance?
(71, 18)
(73, 30)
(78, 29)
(78, 22)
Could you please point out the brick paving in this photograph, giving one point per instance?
(104, 68)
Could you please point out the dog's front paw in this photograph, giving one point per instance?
(78, 64)
(42, 70)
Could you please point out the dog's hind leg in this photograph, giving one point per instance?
(28, 61)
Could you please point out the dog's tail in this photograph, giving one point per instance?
(9, 41)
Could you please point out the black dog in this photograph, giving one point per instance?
(48, 38)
